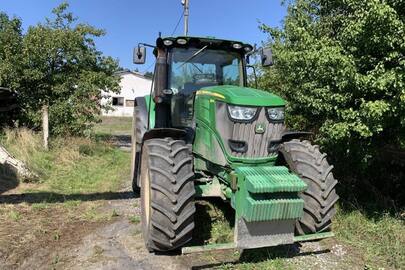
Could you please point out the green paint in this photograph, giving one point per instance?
(209, 247)
(267, 193)
(223, 246)
(233, 245)
(314, 236)
(245, 96)
(270, 179)
(150, 106)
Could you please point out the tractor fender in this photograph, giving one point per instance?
(140, 102)
(291, 134)
(164, 133)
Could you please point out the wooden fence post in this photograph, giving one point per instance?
(45, 125)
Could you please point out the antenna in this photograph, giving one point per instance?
(186, 14)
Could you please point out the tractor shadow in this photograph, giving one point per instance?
(53, 197)
(120, 141)
(229, 260)
(214, 220)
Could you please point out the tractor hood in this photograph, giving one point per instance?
(242, 95)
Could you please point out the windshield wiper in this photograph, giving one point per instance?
(193, 56)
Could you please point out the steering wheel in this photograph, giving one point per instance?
(203, 77)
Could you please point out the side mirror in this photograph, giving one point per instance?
(139, 55)
(267, 57)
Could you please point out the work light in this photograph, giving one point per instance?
(167, 42)
(237, 46)
(181, 41)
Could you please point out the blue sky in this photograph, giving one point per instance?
(128, 22)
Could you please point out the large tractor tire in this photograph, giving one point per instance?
(320, 197)
(139, 126)
(167, 194)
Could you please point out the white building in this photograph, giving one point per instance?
(132, 85)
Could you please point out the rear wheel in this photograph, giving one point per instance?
(139, 126)
(320, 197)
(167, 194)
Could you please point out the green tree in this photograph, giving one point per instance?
(10, 51)
(64, 70)
(341, 66)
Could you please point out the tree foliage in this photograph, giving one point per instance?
(10, 51)
(341, 66)
(59, 66)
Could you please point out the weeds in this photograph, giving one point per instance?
(381, 239)
(135, 219)
(39, 206)
(115, 213)
(15, 215)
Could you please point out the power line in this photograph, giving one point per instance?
(174, 31)
(178, 22)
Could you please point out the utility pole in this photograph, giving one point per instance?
(186, 14)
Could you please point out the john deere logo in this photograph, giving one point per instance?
(260, 128)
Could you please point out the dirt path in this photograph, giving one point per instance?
(117, 245)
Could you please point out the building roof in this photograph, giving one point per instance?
(127, 71)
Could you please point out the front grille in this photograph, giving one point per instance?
(257, 143)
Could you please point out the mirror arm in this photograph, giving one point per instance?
(146, 45)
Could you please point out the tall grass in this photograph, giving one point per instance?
(379, 237)
(26, 145)
(72, 165)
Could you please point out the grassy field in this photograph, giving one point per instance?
(114, 126)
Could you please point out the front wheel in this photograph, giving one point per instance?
(320, 197)
(167, 194)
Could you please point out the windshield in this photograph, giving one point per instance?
(192, 69)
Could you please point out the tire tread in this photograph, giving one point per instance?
(320, 198)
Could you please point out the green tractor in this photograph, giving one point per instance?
(203, 133)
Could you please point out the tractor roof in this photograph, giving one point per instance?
(199, 42)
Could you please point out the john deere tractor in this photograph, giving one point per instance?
(203, 133)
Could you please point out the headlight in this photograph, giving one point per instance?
(276, 113)
(242, 113)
